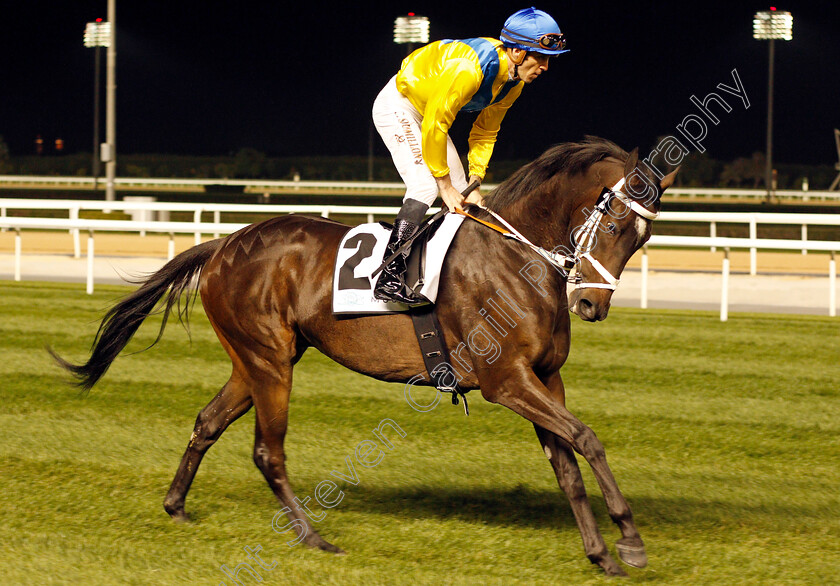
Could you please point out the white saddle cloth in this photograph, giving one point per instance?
(361, 252)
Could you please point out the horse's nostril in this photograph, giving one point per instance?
(585, 309)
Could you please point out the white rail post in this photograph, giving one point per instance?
(170, 248)
(713, 234)
(77, 244)
(17, 254)
(370, 218)
(724, 290)
(832, 286)
(804, 237)
(644, 294)
(90, 263)
(753, 254)
(217, 218)
(197, 220)
(3, 215)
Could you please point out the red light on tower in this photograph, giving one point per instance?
(412, 14)
(773, 8)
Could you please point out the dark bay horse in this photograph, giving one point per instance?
(267, 291)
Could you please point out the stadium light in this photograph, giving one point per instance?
(411, 29)
(771, 25)
(97, 35)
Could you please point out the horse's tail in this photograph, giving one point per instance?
(123, 319)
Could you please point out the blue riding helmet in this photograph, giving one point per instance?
(533, 30)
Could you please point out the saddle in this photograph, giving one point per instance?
(359, 259)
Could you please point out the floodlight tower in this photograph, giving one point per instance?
(770, 25)
(411, 29)
(97, 35)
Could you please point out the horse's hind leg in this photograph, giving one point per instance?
(271, 403)
(227, 406)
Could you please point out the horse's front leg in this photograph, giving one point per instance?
(567, 471)
(522, 392)
(562, 459)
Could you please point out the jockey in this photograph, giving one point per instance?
(416, 108)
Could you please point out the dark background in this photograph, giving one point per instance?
(299, 78)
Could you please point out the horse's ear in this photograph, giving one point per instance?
(668, 180)
(632, 160)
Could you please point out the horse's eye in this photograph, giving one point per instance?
(611, 228)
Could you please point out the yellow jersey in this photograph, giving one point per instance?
(450, 76)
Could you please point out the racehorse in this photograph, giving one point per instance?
(267, 292)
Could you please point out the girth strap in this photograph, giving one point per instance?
(435, 354)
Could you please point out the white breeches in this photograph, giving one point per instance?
(398, 123)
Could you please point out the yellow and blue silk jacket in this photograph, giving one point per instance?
(447, 77)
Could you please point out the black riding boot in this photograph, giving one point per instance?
(391, 284)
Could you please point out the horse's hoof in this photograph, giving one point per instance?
(606, 562)
(327, 546)
(631, 551)
(178, 514)
(321, 543)
(613, 570)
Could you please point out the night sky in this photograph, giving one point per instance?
(299, 78)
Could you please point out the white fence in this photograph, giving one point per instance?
(144, 210)
(266, 187)
(752, 244)
(197, 228)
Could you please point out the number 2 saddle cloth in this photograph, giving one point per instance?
(361, 253)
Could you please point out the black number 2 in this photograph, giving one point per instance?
(346, 278)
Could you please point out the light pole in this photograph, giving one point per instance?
(109, 149)
(97, 35)
(771, 25)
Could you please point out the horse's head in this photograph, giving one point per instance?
(616, 225)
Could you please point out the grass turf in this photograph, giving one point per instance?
(723, 436)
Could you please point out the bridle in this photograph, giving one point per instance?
(584, 238)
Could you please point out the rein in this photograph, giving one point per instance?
(560, 261)
(586, 236)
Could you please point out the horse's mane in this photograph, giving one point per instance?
(568, 157)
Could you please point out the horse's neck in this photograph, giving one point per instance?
(550, 214)
(543, 217)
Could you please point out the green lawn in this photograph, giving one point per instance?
(725, 438)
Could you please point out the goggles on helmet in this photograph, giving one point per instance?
(553, 41)
(550, 41)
